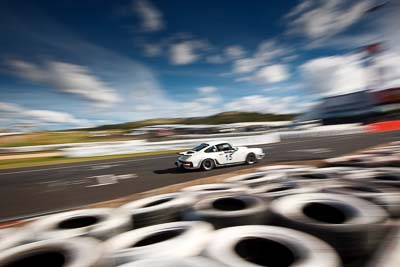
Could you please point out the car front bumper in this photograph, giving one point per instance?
(260, 155)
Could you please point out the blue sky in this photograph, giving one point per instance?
(66, 64)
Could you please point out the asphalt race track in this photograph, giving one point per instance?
(31, 191)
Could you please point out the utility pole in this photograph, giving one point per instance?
(373, 50)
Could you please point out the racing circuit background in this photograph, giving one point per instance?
(97, 102)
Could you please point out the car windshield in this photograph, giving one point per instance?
(200, 147)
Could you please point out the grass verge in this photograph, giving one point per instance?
(43, 161)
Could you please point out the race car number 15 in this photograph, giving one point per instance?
(228, 156)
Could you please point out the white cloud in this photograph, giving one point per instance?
(201, 107)
(215, 59)
(320, 19)
(234, 51)
(335, 75)
(269, 52)
(55, 117)
(260, 103)
(305, 4)
(206, 90)
(18, 113)
(152, 50)
(186, 52)
(135, 83)
(9, 107)
(272, 74)
(151, 18)
(285, 87)
(245, 65)
(207, 103)
(67, 78)
(289, 58)
(229, 53)
(345, 41)
(342, 74)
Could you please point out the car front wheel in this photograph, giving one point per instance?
(251, 158)
(207, 164)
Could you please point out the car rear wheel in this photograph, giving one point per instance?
(251, 159)
(207, 164)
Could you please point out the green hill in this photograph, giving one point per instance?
(220, 118)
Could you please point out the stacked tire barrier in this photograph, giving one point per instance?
(345, 213)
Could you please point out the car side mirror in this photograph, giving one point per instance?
(235, 149)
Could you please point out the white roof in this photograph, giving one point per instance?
(213, 143)
(264, 123)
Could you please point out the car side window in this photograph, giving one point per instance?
(224, 147)
(211, 149)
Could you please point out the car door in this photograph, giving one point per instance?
(226, 154)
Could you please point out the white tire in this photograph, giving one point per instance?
(217, 189)
(169, 240)
(74, 252)
(176, 262)
(100, 223)
(257, 179)
(11, 237)
(252, 246)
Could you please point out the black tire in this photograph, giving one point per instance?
(251, 159)
(73, 252)
(382, 176)
(157, 209)
(365, 160)
(168, 240)
(285, 168)
(207, 165)
(314, 176)
(349, 224)
(273, 191)
(388, 253)
(351, 161)
(230, 211)
(385, 196)
(256, 245)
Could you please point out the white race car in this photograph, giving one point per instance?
(209, 155)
